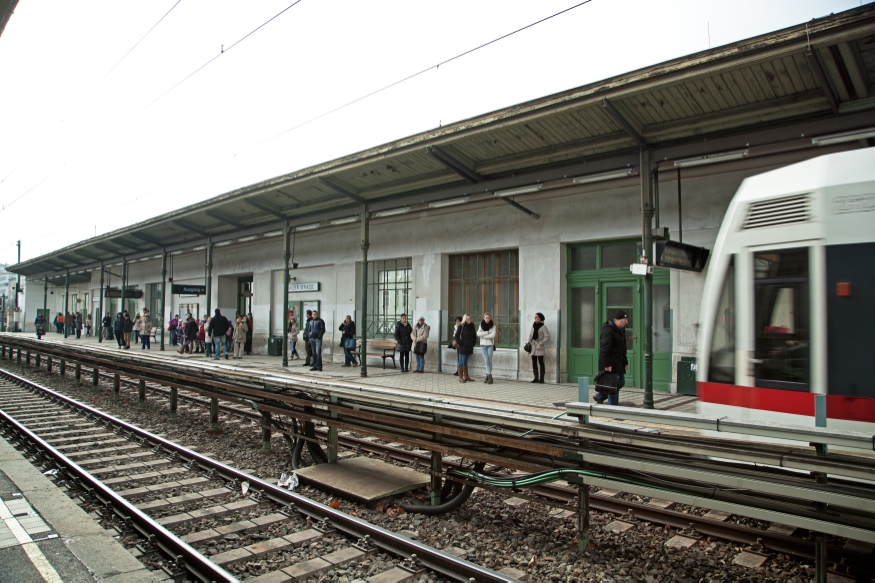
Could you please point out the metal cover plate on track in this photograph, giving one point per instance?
(363, 478)
(749, 559)
(718, 515)
(680, 542)
(784, 529)
(619, 526)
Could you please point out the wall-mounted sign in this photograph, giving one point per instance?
(676, 255)
(301, 287)
(186, 289)
(131, 294)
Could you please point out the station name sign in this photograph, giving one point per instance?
(674, 255)
(301, 287)
(185, 289)
(114, 292)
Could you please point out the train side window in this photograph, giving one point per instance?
(721, 368)
(782, 320)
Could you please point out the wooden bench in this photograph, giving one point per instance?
(387, 346)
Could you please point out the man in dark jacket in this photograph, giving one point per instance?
(612, 354)
(40, 324)
(306, 331)
(127, 327)
(119, 327)
(317, 331)
(218, 329)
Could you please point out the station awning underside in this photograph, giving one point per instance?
(758, 90)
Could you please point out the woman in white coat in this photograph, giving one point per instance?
(486, 332)
(538, 338)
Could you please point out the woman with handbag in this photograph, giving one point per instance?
(347, 340)
(293, 332)
(453, 344)
(465, 338)
(538, 337)
(486, 332)
(419, 337)
(403, 330)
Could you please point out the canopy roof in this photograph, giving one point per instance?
(819, 73)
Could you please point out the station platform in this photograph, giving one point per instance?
(45, 536)
(520, 393)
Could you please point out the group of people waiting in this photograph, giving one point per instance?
(73, 323)
(124, 327)
(212, 335)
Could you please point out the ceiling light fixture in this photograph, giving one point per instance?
(613, 174)
(273, 234)
(711, 158)
(451, 202)
(309, 227)
(393, 212)
(519, 190)
(199, 248)
(345, 221)
(176, 252)
(843, 137)
(247, 238)
(221, 243)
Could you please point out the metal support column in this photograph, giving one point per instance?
(141, 393)
(437, 465)
(67, 304)
(62, 367)
(680, 211)
(27, 358)
(174, 399)
(77, 374)
(332, 435)
(38, 360)
(95, 377)
(164, 317)
(266, 418)
(647, 299)
(208, 278)
(363, 319)
(123, 286)
(582, 517)
(18, 281)
(287, 253)
(48, 364)
(214, 428)
(46, 300)
(98, 321)
(116, 386)
(820, 545)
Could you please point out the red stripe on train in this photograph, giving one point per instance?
(837, 406)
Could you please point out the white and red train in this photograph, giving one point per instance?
(788, 307)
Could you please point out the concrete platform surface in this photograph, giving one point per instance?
(363, 479)
(518, 393)
(45, 536)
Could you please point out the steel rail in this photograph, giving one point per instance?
(195, 562)
(434, 559)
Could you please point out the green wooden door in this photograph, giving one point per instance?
(624, 296)
(583, 342)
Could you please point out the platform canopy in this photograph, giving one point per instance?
(815, 77)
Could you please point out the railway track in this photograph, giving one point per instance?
(158, 496)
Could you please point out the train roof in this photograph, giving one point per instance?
(851, 167)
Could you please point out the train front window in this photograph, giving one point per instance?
(782, 320)
(721, 368)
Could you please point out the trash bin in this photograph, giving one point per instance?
(275, 346)
(686, 375)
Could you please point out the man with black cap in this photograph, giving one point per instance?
(612, 354)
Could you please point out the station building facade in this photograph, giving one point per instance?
(516, 212)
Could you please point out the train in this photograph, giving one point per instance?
(788, 298)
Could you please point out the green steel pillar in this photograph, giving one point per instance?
(209, 276)
(98, 321)
(287, 236)
(363, 318)
(46, 301)
(66, 304)
(163, 292)
(647, 300)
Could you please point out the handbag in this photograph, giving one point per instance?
(527, 346)
(606, 383)
(420, 348)
(349, 343)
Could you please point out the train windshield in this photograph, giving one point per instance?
(782, 319)
(722, 361)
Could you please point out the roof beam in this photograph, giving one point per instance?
(107, 248)
(221, 217)
(340, 190)
(822, 79)
(88, 255)
(612, 111)
(263, 207)
(146, 238)
(189, 227)
(447, 160)
(856, 69)
(517, 205)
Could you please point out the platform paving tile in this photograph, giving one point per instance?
(307, 569)
(393, 575)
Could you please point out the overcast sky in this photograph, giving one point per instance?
(85, 148)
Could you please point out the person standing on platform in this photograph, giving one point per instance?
(240, 330)
(347, 341)
(453, 342)
(138, 319)
(612, 354)
(466, 337)
(218, 329)
(419, 338)
(172, 327)
(89, 322)
(307, 326)
(250, 328)
(486, 332)
(107, 327)
(293, 332)
(127, 329)
(59, 323)
(208, 338)
(78, 321)
(40, 325)
(146, 330)
(538, 338)
(119, 327)
(403, 330)
(317, 331)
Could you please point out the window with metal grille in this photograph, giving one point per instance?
(390, 286)
(487, 282)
